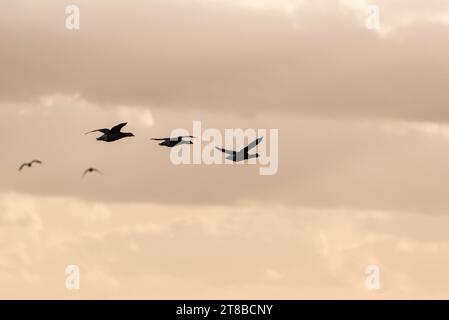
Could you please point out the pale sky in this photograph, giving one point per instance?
(363, 125)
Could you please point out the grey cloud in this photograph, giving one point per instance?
(220, 58)
(322, 162)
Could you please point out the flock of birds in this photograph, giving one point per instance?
(115, 133)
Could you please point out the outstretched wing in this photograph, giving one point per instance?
(160, 139)
(225, 151)
(105, 131)
(36, 161)
(252, 145)
(23, 166)
(118, 127)
(91, 170)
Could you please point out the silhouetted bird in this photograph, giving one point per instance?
(90, 170)
(113, 134)
(171, 142)
(29, 164)
(242, 154)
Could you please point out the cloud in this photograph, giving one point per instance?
(371, 164)
(20, 232)
(363, 151)
(165, 251)
(177, 54)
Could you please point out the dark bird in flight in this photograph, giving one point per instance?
(91, 170)
(171, 142)
(29, 164)
(242, 154)
(113, 134)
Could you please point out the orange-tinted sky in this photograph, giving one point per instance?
(363, 149)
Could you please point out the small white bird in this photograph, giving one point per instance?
(29, 164)
(241, 155)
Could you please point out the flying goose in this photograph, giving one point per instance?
(90, 170)
(29, 164)
(171, 142)
(242, 154)
(113, 134)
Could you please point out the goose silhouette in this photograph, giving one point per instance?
(91, 170)
(29, 164)
(171, 142)
(112, 134)
(241, 155)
